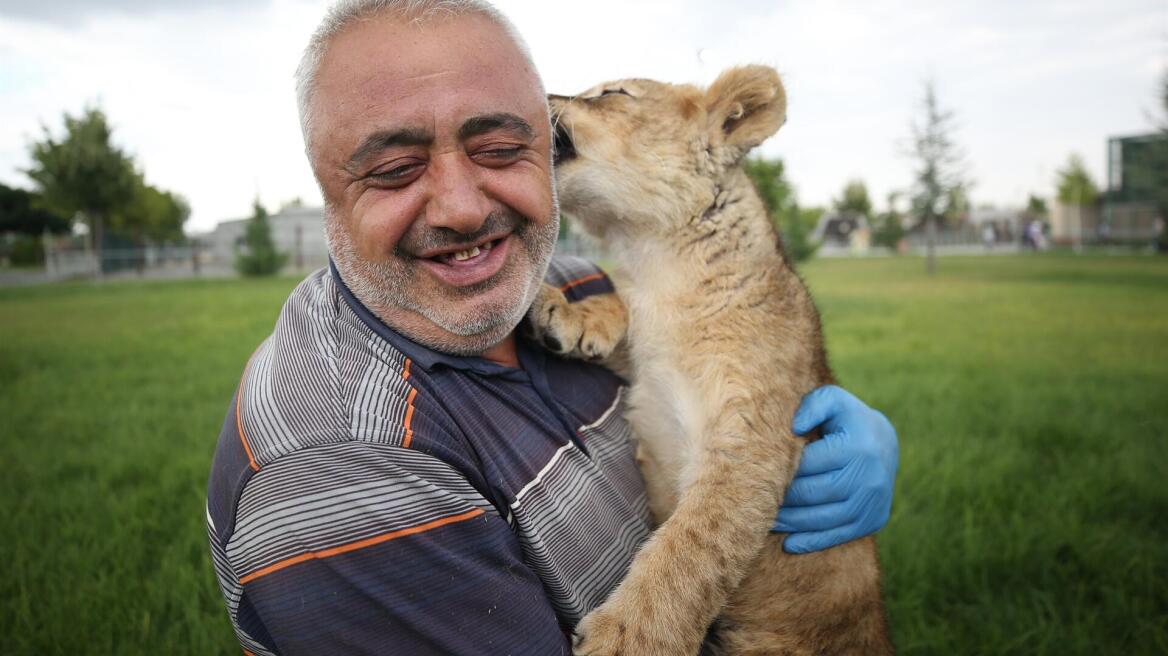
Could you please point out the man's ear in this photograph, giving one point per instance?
(745, 105)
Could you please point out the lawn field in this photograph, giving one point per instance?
(1030, 395)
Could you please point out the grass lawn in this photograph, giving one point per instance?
(1030, 394)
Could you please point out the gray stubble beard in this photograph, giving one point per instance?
(383, 286)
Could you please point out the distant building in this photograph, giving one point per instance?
(1072, 224)
(1129, 210)
(297, 231)
(1007, 223)
(840, 233)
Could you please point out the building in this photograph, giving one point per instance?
(1135, 170)
(1007, 223)
(842, 233)
(296, 230)
(1076, 224)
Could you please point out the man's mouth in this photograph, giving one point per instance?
(467, 254)
(469, 264)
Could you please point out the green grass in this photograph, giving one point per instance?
(1030, 394)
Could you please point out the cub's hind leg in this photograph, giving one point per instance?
(717, 530)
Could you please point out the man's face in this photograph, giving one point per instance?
(432, 147)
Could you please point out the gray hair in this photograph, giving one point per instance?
(415, 12)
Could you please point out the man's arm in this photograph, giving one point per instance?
(366, 548)
(843, 487)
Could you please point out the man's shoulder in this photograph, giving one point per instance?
(577, 277)
(323, 376)
(321, 379)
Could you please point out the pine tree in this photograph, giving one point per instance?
(939, 172)
(259, 256)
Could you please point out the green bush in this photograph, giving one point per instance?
(26, 251)
(259, 256)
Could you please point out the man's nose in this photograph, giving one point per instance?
(458, 202)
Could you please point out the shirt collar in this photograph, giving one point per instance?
(423, 356)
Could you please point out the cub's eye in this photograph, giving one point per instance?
(620, 91)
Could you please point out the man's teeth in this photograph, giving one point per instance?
(466, 255)
(472, 252)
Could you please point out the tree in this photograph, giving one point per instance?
(22, 223)
(888, 229)
(799, 223)
(1074, 183)
(152, 214)
(854, 199)
(259, 256)
(939, 170)
(1036, 207)
(83, 174)
(21, 212)
(779, 198)
(956, 205)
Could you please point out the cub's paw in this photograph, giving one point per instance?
(589, 329)
(602, 633)
(623, 626)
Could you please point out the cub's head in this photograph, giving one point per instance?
(638, 156)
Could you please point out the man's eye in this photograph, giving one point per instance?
(499, 154)
(397, 174)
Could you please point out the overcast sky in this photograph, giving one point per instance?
(201, 92)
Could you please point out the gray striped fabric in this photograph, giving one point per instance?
(326, 412)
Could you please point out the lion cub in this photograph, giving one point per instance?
(723, 342)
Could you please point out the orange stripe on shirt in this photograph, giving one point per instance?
(360, 544)
(581, 281)
(409, 418)
(409, 436)
(239, 417)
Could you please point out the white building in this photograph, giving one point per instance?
(297, 231)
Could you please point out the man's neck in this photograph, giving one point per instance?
(503, 353)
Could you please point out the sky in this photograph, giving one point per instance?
(201, 93)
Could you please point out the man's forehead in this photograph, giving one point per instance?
(383, 60)
(384, 75)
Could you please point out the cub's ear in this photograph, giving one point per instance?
(745, 105)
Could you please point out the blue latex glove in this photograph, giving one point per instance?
(843, 487)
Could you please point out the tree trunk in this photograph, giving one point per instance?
(930, 244)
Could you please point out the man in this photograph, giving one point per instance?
(398, 472)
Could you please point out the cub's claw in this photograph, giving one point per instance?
(589, 329)
(600, 634)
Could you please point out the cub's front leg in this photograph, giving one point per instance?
(685, 572)
(592, 328)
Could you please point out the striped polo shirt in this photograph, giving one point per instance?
(370, 495)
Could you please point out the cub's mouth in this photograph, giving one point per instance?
(563, 148)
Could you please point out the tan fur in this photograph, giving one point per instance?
(724, 342)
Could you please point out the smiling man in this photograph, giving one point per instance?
(436, 172)
(398, 472)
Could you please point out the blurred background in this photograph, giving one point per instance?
(976, 193)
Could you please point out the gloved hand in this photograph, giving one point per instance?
(843, 487)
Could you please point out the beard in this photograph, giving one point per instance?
(468, 324)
